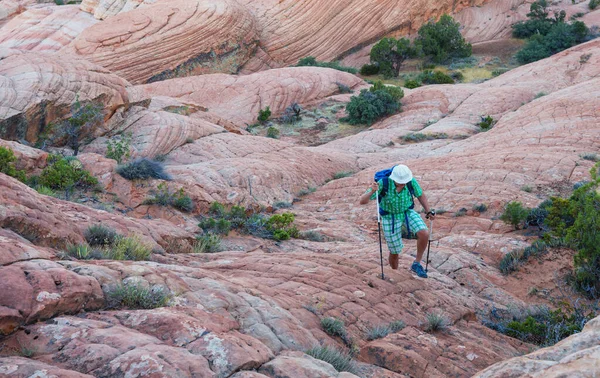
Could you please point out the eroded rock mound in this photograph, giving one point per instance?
(45, 29)
(239, 98)
(575, 356)
(171, 39)
(38, 89)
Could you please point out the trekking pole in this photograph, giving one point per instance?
(429, 244)
(379, 228)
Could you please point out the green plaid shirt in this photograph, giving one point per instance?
(394, 202)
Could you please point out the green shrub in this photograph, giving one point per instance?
(442, 40)
(119, 150)
(378, 332)
(207, 243)
(540, 325)
(218, 226)
(264, 115)
(389, 53)
(343, 88)
(397, 325)
(129, 248)
(369, 69)
(590, 156)
(482, 207)
(396, 92)
(461, 212)
(282, 226)
(315, 236)
(486, 123)
(584, 235)
(78, 251)
(162, 196)
(368, 107)
(273, 132)
(594, 4)
(99, 235)
(342, 174)
(560, 37)
(292, 113)
(339, 360)
(282, 205)
(514, 214)
(434, 77)
(136, 296)
(333, 327)
(62, 174)
(510, 262)
(412, 84)
(182, 201)
(143, 169)
(436, 321)
(307, 191)
(7, 164)
(45, 190)
(499, 71)
(312, 62)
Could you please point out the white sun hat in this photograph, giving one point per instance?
(401, 174)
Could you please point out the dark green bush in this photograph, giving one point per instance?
(312, 62)
(143, 169)
(442, 40)
(499, 71)
(99, 235)
(162, 196)
(560, 37)
(486, 123)
(368, 107)
(514, 214)
(482, 207)
(7, 164)
(434, 77)
(264, 115)
(412, 84)
(594, 4)
(62, 174)
(136, 296)
(369, 69)
(389, 54)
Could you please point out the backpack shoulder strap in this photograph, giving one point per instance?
(410, 188)
(386, 184)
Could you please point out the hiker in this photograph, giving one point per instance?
(396, 209)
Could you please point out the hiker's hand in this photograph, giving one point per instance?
(374, 187)
(430, 215)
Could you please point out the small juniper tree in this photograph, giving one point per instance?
(390, 53)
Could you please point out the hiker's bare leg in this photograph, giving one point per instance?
(422, 239)
(393, 259)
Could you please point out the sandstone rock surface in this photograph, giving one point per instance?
(239, 98)
(40, 88)
(170, 39)
(575, 356)
(45, 29)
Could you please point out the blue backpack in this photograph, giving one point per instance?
(384, 176)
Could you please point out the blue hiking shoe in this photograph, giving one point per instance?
(417, 268)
